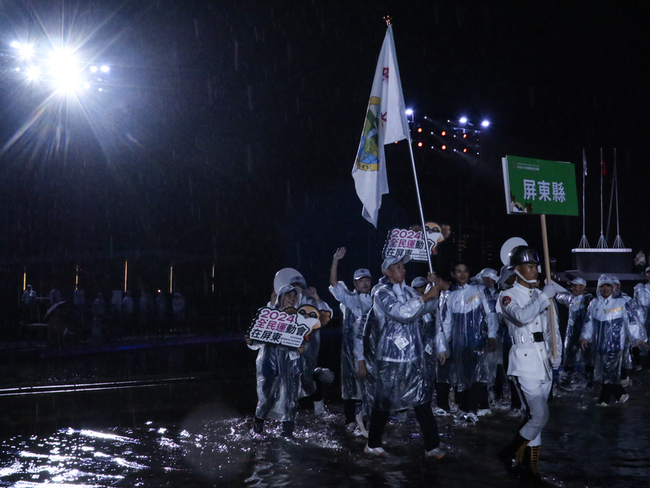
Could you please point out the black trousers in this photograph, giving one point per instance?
(424, 416)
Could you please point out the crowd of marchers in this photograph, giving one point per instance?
(460, 347)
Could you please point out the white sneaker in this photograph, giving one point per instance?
(349, 427)
(484, 411)
(441, 412)
(471, 417)
(375, 451)
(624, 398)
(436, 453)
(362, 426)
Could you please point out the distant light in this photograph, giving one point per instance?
(463, 120)
(419, 129)
(408, 110)
(465, 150)
(443, 133)
(105, 69)
(485, 123)
(464, 136)
(16, 44)
(444, 148)
(93, 69)
(420, 144)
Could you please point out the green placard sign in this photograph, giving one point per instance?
(535, 186)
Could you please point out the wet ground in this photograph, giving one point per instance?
(583, 446)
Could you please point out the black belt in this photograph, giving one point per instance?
(538, 337)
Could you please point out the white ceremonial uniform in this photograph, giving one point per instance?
(525, 311)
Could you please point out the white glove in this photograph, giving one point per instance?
(555, 362)
(549, 291)
(558, 288)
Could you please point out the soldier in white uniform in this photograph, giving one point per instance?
(524, 308)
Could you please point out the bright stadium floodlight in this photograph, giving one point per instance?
(485, 123)
(409, 112)
(463, 120)
(104, 69)
(33, 73)
(93, 69)
(64, 70)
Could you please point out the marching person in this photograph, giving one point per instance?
(524, 308)
(354, 305)
(470, 325)
(577, 302)
(611, 322)
(278, 374)
(309, 383)
(400, 378)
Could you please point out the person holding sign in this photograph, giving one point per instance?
(278, 373)
(309, 384)
(524, 309)
(354, 305)
(400, 377)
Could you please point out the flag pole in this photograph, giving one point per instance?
(388, 20)
(584, 244)
(417, 191)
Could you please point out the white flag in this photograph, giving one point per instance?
(385, 124)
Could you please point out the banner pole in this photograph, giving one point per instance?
(547, 267)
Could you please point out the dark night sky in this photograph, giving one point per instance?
(230, 127)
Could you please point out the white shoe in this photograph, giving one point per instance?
(436, 453)
(349, 427)
(471, 417)
(624, 398)
(362, 427)
(375, 451)
(602, 404)
(319, 407)
(441, 412)
(484, 411)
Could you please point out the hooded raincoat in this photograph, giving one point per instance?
(468, 321)
(395, 348)
(278, 370)
(354, 306)
(611, 323)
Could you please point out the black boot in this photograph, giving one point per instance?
(258, 425)
(530, 467)
(512, 455)
(287, 429)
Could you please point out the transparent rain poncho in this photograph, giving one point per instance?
(468, 321)
(354, 305)
(577, 305)
(278, 370)
(610, 324)
(312, 348)
(394, 349)
(642, 298)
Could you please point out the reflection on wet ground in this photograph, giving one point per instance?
(584, 446)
